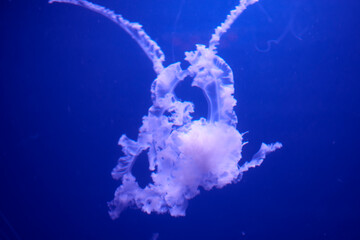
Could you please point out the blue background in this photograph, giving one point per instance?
(72, 82)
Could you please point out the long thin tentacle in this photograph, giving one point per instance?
(234, 14)
(135, 30)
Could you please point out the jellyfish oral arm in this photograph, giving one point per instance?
(184, 154)
(230, 19)
(259, 157)
(150, 47)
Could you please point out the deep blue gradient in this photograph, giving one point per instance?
(72, 82)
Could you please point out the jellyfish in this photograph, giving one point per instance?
(184, 154)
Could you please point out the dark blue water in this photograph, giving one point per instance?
(72, 82)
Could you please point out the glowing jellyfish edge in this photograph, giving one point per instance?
(183, 154)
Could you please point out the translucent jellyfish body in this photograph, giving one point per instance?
(184, 154)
